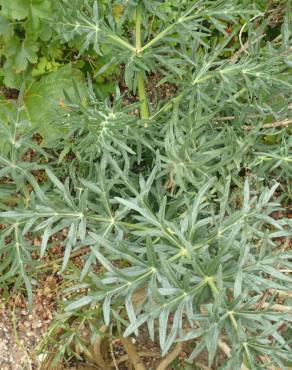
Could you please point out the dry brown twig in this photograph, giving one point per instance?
(202, 366)
(227, 350)
(283, 123)
(156, 355)
(140, 353)
(246, 45)
(115, 362)
(133, 355)
(277, 307)
(243, 49)
(96, 353)
(77, 253)
(169, 358)
(281, 293)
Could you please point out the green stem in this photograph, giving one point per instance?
(213, 287)
(163, 33)
(158, 37)
(122, 42)
(138, 28)
(144, 111)
(142, 96)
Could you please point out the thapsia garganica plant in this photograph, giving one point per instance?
(176, 204)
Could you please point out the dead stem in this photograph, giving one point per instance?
(283, 123)
(141, 354)
(97, 353)
(133, 355)
(227, 350)
(115, 362)
(276, 307)
(244, 48)
(202, 366)
(78, 253)
(168, 359)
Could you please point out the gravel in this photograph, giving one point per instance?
(21, 332)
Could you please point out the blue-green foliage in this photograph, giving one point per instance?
(178, 209)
